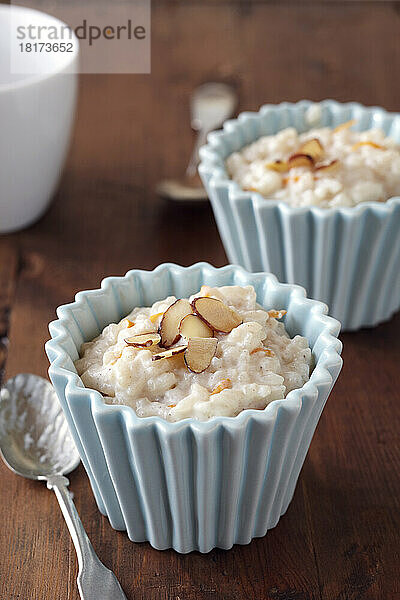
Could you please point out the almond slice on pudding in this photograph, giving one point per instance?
(169, 353)
(143, 340)
(170, 322)
(312, 148)
(216, 314)
(199, 353)
(194, 326)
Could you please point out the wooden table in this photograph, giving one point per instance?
(340, 537)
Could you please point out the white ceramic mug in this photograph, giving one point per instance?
(36, 114)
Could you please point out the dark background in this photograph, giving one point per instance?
(340, 537)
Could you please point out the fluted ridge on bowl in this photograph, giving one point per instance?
(187, 485)
(302, 245)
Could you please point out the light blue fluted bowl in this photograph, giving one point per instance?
(191, 485)
(346, 257)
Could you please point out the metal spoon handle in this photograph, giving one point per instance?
(201, 139)
(94, 579)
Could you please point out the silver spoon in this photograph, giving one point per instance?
(35, 443)
(211, 104)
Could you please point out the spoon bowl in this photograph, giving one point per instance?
(34, 438)
(35, 443)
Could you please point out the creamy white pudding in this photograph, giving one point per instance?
(213, 354)
(322, 167)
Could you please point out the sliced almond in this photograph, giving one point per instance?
(328, 167)
(344, 126)
(143, 340)
(277, 314)
(267, 351)
(300, 160)
(216, 314)
(280, 166)
(294, 179)
(116, 358)
(153, 318)
(194, 326)
(199, 353)
(169, 353)
(368, 143)
(205, 290)
(224, 385)
(312, 148)
(126, 323)
(169, 325)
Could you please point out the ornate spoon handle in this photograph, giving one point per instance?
(95, 581)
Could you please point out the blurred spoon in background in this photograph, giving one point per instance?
(210, 105)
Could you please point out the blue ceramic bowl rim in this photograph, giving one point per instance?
(210, 153)
(330, 357)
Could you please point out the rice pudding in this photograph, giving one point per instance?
(323, 167)
(215, 353)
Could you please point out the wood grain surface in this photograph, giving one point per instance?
(340, 537)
